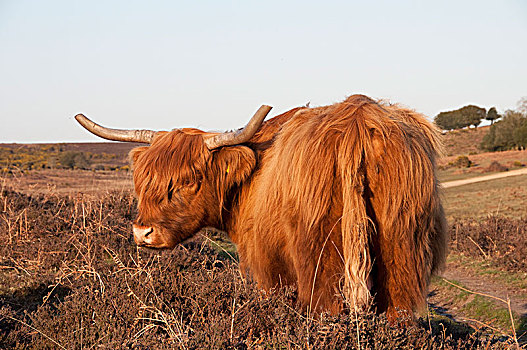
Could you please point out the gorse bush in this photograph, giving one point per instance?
(492, 115)
(23, 160)
(462, 162)
(496, 166)
(74, 160)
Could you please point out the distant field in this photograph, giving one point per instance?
(480, 164)
(100, 156)
(68, 182)
(506, 197)
(464, 141)
(15, 158)
(120, 149)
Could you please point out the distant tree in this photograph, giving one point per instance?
(52, 162)
(460, 118)
(472, 115)
(492, 115)
(445, 121)
(508, 133)
(82, 161)
(463, 162)
(488, 142)
(522, 105)
(520, 135)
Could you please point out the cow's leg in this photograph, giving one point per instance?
(270, 268)
(405, 260)
(397, 273)
(396, 283)
(318, 266)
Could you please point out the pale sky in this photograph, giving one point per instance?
(211, 64)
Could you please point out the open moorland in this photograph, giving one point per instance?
(71, 277)
(464, 159)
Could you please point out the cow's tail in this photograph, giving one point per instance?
(355, 223)
(356, 230)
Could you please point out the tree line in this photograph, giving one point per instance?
(464, 117)
(507, 131)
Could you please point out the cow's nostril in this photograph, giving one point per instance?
(149, 232)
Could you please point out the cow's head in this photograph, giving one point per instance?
(183, 177)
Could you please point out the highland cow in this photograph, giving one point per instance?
(341, 201)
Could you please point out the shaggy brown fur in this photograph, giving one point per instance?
(340, 200)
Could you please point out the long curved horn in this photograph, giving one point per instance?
(142, 136)
(239, 136)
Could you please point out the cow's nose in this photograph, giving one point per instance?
(142, 234)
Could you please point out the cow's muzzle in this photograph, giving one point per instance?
(143, 235)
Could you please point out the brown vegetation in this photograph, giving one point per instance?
(71, 278)
(504, 197)
(496, 239)
(464, 141)
(495, 167)
(68, 182)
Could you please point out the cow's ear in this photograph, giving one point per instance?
(233, 165)
(135, 153)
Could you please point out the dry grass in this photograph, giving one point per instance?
(68, 182)
(481, 163)
(506, 196)
(465, 141)
(72, 279)
(483, 160)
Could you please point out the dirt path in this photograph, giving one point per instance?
(484, 178)
(447, 305)
(486, 285)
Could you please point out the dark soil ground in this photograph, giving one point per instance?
(71, 277)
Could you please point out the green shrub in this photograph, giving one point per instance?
(463, 162)
(508, 133)
(74, 160)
